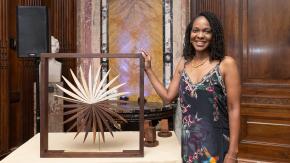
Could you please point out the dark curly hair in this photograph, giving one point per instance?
(216, 46)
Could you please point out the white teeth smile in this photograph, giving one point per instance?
(200, 43)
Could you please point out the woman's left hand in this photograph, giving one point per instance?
(147, 59)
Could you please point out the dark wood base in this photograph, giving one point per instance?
(151, 144)
(164, 134)
(63, 154)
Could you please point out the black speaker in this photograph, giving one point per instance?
(32, 31)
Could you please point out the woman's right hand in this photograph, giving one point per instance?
(147, 59)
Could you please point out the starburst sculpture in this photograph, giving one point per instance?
(93, 104)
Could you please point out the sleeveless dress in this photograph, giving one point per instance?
(205, 124)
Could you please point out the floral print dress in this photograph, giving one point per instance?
(205, 125)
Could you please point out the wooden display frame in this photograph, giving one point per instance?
(44, 151)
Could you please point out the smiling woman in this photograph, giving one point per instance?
(208, 85)
(201, 34)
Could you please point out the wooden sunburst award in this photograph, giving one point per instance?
(92, 104)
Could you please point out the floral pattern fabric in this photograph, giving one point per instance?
(205, 127)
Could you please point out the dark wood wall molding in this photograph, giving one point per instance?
(267, 100)
(4, 86)
(257, 36)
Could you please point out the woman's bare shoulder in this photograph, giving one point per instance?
(180, 65)
(228, 60)
(227, 63)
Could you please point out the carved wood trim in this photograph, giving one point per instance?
(264, 143)
(4, 84)
(30, 2)
(3, 52)
(266, 111)
(271, 100)
(265, 83)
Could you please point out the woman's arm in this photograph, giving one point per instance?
(167, 95)
(233, 88)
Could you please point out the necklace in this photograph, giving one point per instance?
(202, 63)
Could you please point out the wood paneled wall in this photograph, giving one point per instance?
(21, 81)
(4, 71)
(63, 16)
(266, 79)
(216, 6)
(63, 23)
(17, 75)
(257, 36)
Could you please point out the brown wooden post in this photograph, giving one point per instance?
(44, 106)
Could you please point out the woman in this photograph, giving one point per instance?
(208, 85)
